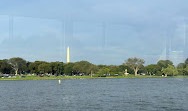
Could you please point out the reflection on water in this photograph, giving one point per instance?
(135, 94)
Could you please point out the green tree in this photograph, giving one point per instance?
(123, 67)
(44, 68)
(84, 67)
(101, 66)
(68, 69)
(103, 71)
(18, 64)
(60, 68)
(113, 69)
(186, 61)
(186, 70)
(182, 71)
(27, 67)
(5, 67)
(33, 67)
(57, 67)
(164, 63)
(152, 69)
(142, 69)
(135, 64)
(93, 68)
(170, 70)
(181, 66)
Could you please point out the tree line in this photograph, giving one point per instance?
(17, 65)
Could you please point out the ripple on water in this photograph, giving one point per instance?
(138, 94)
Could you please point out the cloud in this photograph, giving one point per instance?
(104, 31)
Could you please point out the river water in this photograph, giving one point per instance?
(132, 94)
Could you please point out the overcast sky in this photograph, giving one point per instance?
(99, 31)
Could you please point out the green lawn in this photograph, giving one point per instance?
(78, 77)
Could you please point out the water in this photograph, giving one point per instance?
(134, 94)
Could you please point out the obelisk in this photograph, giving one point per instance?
(68, 55)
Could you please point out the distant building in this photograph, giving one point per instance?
(68, 55)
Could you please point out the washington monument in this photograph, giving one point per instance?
(68, 55)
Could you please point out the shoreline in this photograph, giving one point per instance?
(81, 77)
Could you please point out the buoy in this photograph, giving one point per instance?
(59, 81)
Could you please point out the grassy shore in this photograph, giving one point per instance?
(79, 77)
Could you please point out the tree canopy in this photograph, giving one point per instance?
(164, 63)
(152, 69)
(170, 70)
(181, 66)
(5, 67)
(135, 64)
(186, 61)
(18, 64)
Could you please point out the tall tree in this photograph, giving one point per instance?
(33, 67)
(186, 61)
(18, 64)
(164, 63)
(68, 68)
(152, 69)
(27, 65)
(103, 71)
(84, 67)
(44, 68)
(5, 68)
(123, 67)
(135, 64)
(170, 70)
(181, 66)
(57, 67)
(186, 70)
(114, 69)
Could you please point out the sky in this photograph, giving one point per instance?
(99, 31)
